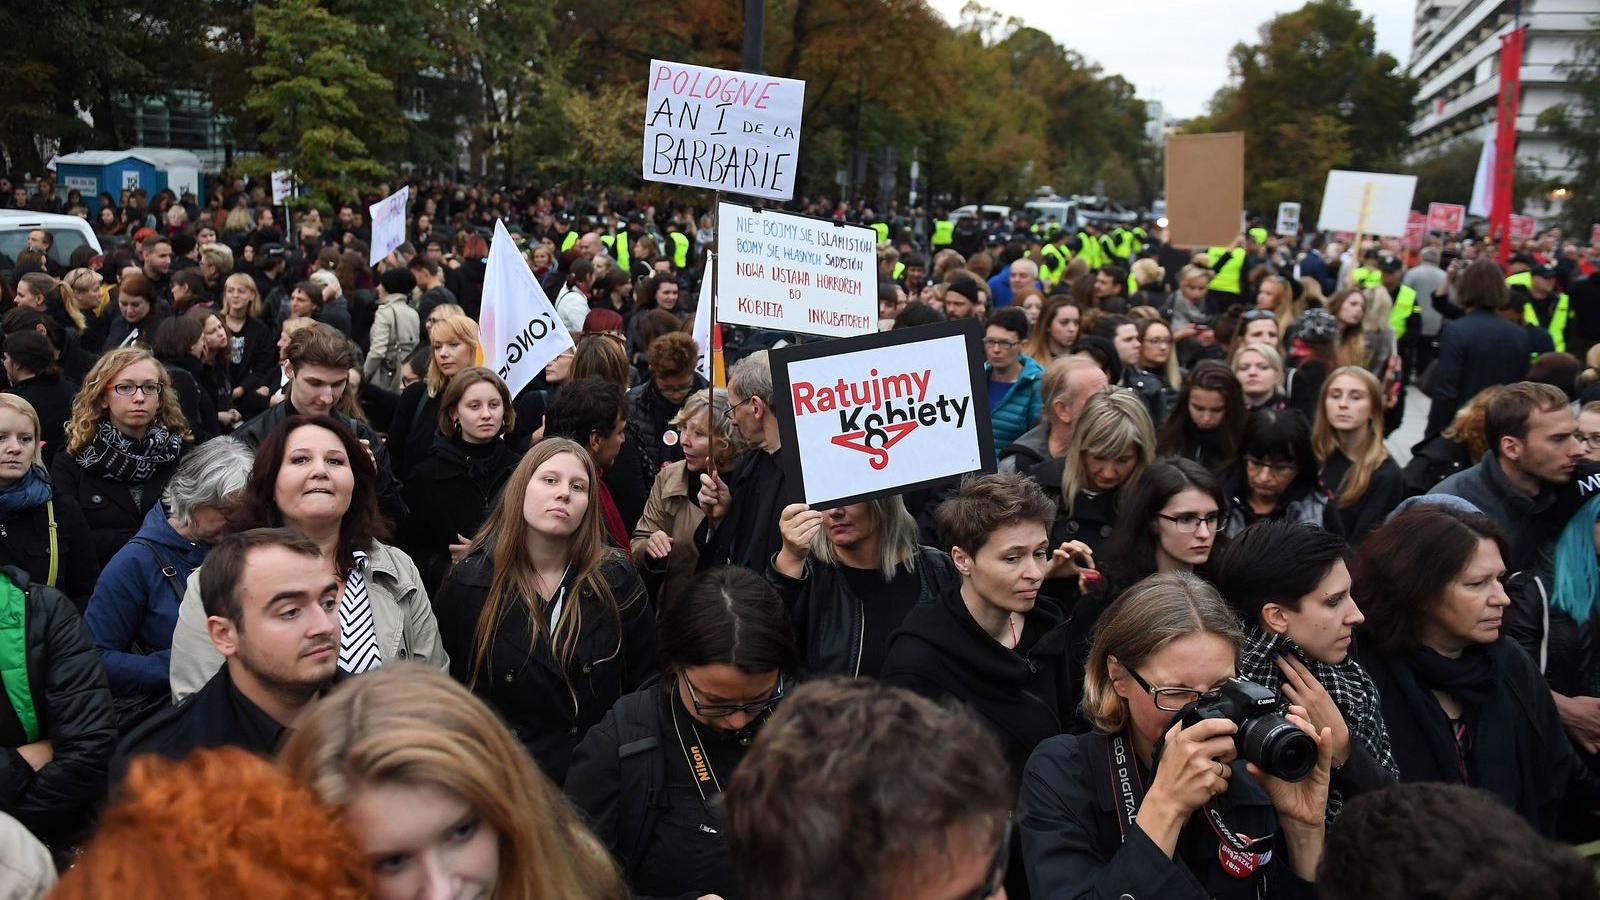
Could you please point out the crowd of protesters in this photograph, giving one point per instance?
(297, 597)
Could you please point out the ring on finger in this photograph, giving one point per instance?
(1222, 769)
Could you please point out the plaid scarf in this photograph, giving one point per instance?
(1347, 683)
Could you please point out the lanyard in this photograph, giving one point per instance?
(695, 755)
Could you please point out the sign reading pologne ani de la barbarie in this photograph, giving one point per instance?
(722, 130)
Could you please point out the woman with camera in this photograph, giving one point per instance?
(1102, 818)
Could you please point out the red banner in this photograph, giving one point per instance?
(1446, 217)
(1505, 146)
(1416, 231)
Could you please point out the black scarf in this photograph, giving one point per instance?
(116, 457)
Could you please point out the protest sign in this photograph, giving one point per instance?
(1367, 203)
(1205, 188)
(282, 186)
(1288, 219)
(727, 131)
(1448, 218)
(1416, 231)
(518, 327)
(388, 218)
(786, 272)
(888, 412)
(1523, 228)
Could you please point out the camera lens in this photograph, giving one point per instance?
(1277, 747)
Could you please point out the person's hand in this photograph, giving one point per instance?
(264, 391)
(37, 754)
(1194, 766)
(658, 545)
(1581, 716)
(1304, 802)
(713, 498)
(1304, 690)
(1184, 333)
(797, 525)
(1073, 559)
(458, 547)
(367, 446)
(238, 392)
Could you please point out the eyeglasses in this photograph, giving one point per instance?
(724, 710)
(1189, 523)
(128, 389)
(1277, 468)
(1592, 441)
(674, 390)
(999, 344)
(1168, 699)
(1158, 341)
(728, 413)
(995, 877)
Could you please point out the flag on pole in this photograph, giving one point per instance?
(518, 327)
(1483, 181)
(702, 322)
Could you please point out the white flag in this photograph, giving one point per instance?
(1483, 182)
(702, 320)
(518, 327)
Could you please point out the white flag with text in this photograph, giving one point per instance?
(518, 327)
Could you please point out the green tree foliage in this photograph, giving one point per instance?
(1577, 124)
(1313, 94)
(1446, 176)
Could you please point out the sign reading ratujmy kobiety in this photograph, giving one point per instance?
(794, 273)
(727, 131)
(885, 413)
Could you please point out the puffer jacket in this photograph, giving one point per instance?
(1563, 649)
(1019, 409)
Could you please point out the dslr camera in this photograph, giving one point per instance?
(1265, 738)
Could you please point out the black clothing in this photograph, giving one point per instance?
(547, 707)
(113, 510)
(748, 535)
(1565, 650)
(1433, 460)
(217, 715)
(25, 544)
(411, 434)
(451, 492)
(336, 312)
(630, 477)
(51, 397)
(73, 703)
(252, 363)
(390, 499)
(431, 298)
(845, 618)
(1305, 386)
(652, 415)
(195, 397)
(1384, 492)
(1481, 349)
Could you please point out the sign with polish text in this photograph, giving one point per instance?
(388, 218)
(283, 186)
(722, 130)
(1449, 218)
(885, 413)
(1523, 228)
(785, 272)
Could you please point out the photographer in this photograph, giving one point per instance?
(1102, 819)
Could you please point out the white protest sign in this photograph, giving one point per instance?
(702, 322)
(388, 218)
(518, 327)
(727, 131)
(1368, 203)
(1288, 219)
(889, 412)
(282, 186)
(794, 273)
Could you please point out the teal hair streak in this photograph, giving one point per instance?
(1577, 571)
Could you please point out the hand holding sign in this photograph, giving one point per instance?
(797, 525)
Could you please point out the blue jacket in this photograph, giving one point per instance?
(1019, 409)
(134, 601)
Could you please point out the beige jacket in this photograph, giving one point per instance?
(670, 509)
(401, 614)
(395, 333)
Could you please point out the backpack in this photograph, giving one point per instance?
(642, 766)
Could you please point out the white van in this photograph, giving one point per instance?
(68, 234)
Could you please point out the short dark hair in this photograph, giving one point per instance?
(1458, 842)
(313, 292)
(584, 406)
(1482, 286)
(917, 313)
(811, 813)
(986, 503)
(191, 279)
(1131, 553)
(1011, 319)
(1251, 572)
(1106, 326)
(421, 262)
(153, 241)
(729, 615)
(1281, 434)
(33, 352)
(1508, 411)
(24, 318)
(1397, 590)
(223, 571)
(321, 344)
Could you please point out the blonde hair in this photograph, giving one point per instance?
(1193, 272)
(73, 282)
(218, 256)
(412, 724)
(462, 329)
(1285, 309)
(1146, 271)
(89, 409)
(237, 220)
(728, 437)
(22, 407)
(1372, 453)
(1113, 420)
(1266, 352)
(249, 284)
(1141, 623)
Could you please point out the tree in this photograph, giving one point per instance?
(1577, 124)
(1313, 94)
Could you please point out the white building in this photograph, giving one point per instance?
(1455, 57)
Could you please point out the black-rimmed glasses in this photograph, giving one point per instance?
(1168, 699)
(1189, 523)
(128, 389)
(724, 710)
(728, 413)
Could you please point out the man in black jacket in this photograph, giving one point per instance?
(276, 663)
(654, 404)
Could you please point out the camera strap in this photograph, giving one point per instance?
(1128, 789)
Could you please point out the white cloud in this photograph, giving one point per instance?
(1174, 51)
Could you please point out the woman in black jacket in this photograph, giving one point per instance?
(1347, 437)
(123, 442)
(1100, 818)
(1112, 444)
(57, 735)
(650, 775)
(1207, 420)
(1276, 478)
(212, 354)
(454, 343)
(31, 366)
(252, 358)
(541, 619)
(452, 492)
(849, 576)
(41, 534)
(174, 346)
(1463, 703)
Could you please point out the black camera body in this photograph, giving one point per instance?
(1265, 738)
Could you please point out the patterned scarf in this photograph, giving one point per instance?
(1347, 683)
(115, 456)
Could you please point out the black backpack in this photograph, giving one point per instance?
(642, 766)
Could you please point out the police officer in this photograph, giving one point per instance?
(1545, 307)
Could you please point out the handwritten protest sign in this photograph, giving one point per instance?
(795, 273)
(727, 131)
(1446, 217)
(1367, 203)
(519, 330)
(282, 186)
(892, 411)
(388, 218)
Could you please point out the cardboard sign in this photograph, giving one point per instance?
(282, 186)
(1205, 188)
(722, 130)
(518, 326)
(388, 218)
(1288, 219)
(1449, 218)
(889, 412)
(1369, 203)
(1416, 231)
(1523, 228)
(786, 272)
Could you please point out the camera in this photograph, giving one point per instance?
(1265, 738)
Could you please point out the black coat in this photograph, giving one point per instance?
(1566, 650)
(51, 397)
(829, 618)
(217, 715)
(1481, 349)
(1432, 461)
(110, 508)
(253, 361)
(198, 405)
(25, 544)
(390, 499)
(651, 415)
(450, 493)
(73, 701)
(1385, 490)
(411, 434)
(548, 707)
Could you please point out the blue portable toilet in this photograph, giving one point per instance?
(110, 171)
